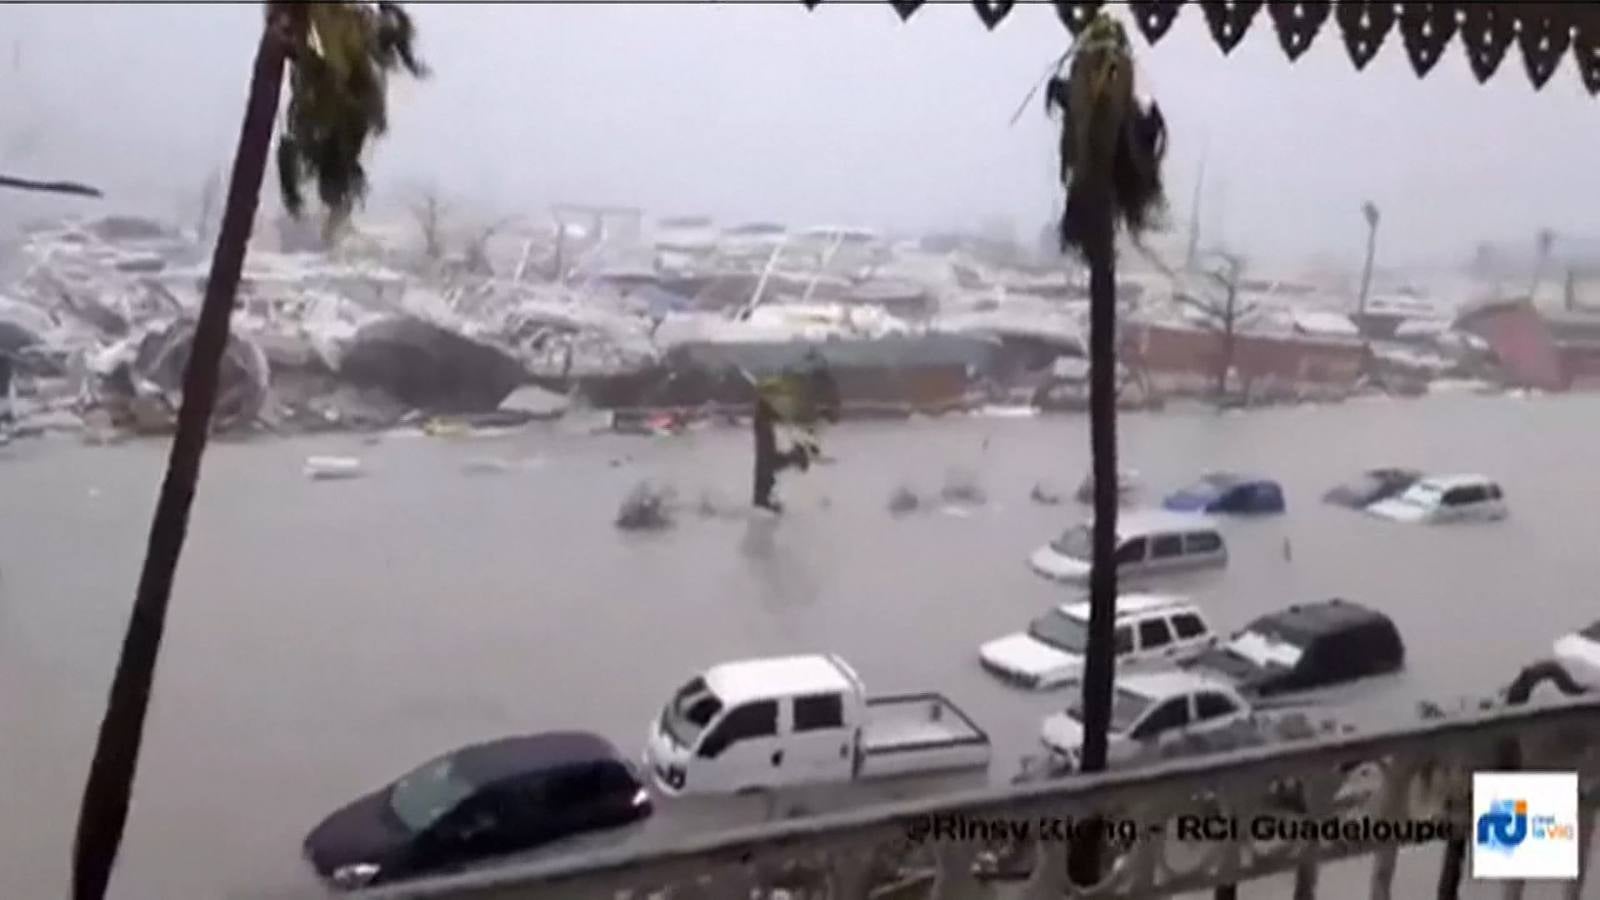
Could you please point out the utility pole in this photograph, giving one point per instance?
(1194, 216)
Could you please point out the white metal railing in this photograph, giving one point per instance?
(1422, 772)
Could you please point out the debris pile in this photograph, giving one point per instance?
(666, 329)
(648, 507)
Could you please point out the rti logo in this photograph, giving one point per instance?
(1505, 826)
(1525, 825)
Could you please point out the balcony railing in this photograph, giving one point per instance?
(1418, 773)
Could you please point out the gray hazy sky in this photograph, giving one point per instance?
(842, 115)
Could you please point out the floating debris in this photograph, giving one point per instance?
(485, 467)
(329, 468)
(648, 507)
(904, 501)
(961, 487)
(1045, 495)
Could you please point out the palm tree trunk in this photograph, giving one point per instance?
(1099, 664)
(104, 809)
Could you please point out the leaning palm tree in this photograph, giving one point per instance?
(338, 56)
(1111, 150)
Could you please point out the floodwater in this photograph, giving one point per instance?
(327, 636)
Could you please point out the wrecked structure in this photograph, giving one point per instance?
(138, 381)
(679, 318)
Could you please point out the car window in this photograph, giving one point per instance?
(1211, 705)
(1188, 625)
(1123, 641)
(1154, 633)
(475, 820)
(818, 712)
(1131, 551)
(1494, 492)
(1202, 542)
(572, 787)
(752, 720)
(618, 778)
(1174, 713)
(1465, 495)
(1166, 546)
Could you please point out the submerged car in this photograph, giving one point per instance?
(479, 802)
(1309, 646)
(1579, 654)
(1127, 487)
(1448, 498)
(1149, 542)
(1148, 710)
(1224, 492)
(1150, 630)
(1373, 486)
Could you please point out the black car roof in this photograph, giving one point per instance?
(1307, 621)
(493, 760)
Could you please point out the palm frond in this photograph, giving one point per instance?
(1110, 145)
(338, 99)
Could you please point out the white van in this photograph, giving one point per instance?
(1149, 542)
(801, 720)
(1151, 631)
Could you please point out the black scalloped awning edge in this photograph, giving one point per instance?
(1544, 33)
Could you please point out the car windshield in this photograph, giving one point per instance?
(1075, 542)
(1425, 495)
(432, 791)
(690, 711)
(1127, 708)
(1365, 486)
(1061, 631)
(1210, 486)
(1592, 632)
(1266, 649)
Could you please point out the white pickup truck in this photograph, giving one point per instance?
(801, 720)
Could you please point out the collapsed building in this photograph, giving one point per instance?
(608, 313)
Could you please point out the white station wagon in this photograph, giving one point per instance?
(1447, 498)
(1149, 542)
(1151, 631)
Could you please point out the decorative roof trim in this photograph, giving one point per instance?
(1486, 31)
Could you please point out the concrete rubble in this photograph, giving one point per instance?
(648, 331)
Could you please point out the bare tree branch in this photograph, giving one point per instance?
(430, 212)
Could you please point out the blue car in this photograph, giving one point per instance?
(1221, 492)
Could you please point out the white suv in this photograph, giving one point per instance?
(1152, 631)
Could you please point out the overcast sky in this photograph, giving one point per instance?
(841, 115)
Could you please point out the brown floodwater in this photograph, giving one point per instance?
(327, 636)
